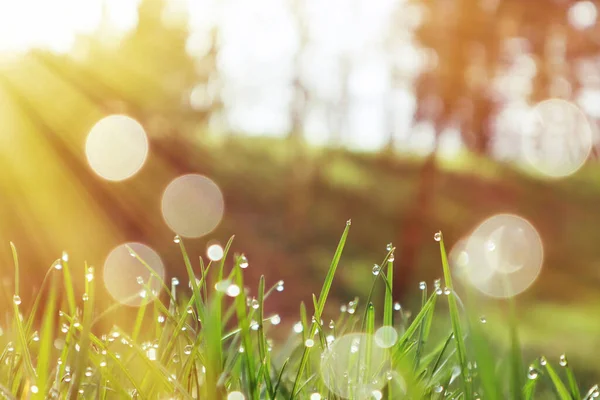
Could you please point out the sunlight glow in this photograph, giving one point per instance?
(55, 25)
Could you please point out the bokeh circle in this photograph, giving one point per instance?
(353, 366)
(502, 257)
(557, 138)
(116, 147)
(127, 279)
(192, 205)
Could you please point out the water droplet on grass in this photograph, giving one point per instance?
(298, 327)
(280, 287)
(140, 280)
(376, 269)
(177, 239)
(397, 306)
(85, 297)
(422, 285)
(437, 236)
(254, 304)
(17, 299)
(174, 281)
(89, 372)
(35, 337)
(389, 247)
(58, 266)
(243, 262)
(532, 373)
(543, 361)
(275, 319)
(187, 349)
(309, 343)
(482, 319)
(563, 360)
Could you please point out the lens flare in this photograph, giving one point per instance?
(502, 257)
(116, 147)
(192, 205)
(557, 138)
(127, 279)
(353, 366)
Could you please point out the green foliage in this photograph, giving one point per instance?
(210, 346)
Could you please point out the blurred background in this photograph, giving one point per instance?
(407, 116)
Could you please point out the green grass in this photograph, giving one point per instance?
(208, 343)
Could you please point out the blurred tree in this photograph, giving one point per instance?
(468, 45)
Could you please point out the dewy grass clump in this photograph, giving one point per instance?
(215, 344)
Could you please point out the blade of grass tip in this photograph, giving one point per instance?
(46, 342)
(321, 305)
(84, 342)
(279, 378)
(68, 284)
(424, 329)
(139, 319)
(486, 367)
(38, 298)
(412, 328)
(455, 320)
(25, 354)
(304, 321)
(244, 324)
(516, 360)
(559, 386)
(388, 305)
(262, 339)
(192, 277)
(574, 388)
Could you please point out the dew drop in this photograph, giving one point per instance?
(275, 319)
(34, 389)
(309, 343)
(243, 262)
(482, 319)
(189, 310)
(17, 299)
(174, 281)
(331, 324)
(85, 297)
(64, 328)
(35, 337)
(437, 236)
(254, 304)
(447, 291)
(437, 283)
(389, 247)
(343, 308)
(438, 389)
(543, 361)
(298, 327)
(140, 280)
(90, 274)
(439, 291)
(58, 266)
(279, 287)
(89, 372)
(397, 306)
(532, 373)
(563, 360)
(161, 319)
(376, 269)
(392, 258)
(233, 290)
(175, 358)
(187, 349)
(177, 239)
(315, 396)
(422, 285)
(241, 349)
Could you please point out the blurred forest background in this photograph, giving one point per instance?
(404, 115)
